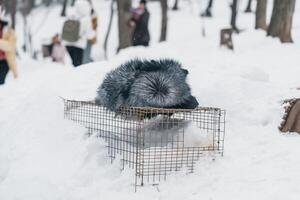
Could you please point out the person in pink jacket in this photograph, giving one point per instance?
(58, 50)
(7, 48)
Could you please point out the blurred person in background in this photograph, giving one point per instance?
(58, 50)
(139, 22)
(87, 52)
(77, 30)
(7, 47)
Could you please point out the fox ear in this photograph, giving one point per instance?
(191, 103)
(186, 72)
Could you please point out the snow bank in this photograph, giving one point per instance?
(43, 156)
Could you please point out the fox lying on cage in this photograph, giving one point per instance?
(146, 83)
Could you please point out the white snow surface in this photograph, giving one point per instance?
(43, 156)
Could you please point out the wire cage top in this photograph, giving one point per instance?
(153, 141)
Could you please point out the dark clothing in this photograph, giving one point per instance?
(3, 71)
(76, 55)
(87, 54)
(137, 43)
(4, 68)
(47, 50)
(141, 34)
(2, 53)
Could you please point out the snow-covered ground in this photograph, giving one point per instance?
(43, 156)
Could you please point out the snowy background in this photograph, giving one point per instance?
(44, 157)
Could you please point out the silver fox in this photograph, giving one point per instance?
(146, 83)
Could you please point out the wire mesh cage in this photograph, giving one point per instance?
(153, 141)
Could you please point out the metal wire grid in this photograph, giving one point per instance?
(151, 140)
(157, 158)
(120, 135)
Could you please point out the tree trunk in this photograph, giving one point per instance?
(175, 7)
(10, 8)
(92, 6)
(124, 16)
(25, 32)
(109, 28)
(13, 12)
(31, 3)
(234, 15)
(64, 9)
(11, 5)
(282, 20)
(248, 8)
(207, 12)
(47, 2)
(7, 5)
(26, 7)
(260, 16)
(164, 20)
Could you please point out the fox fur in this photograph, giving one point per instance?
(146, 83)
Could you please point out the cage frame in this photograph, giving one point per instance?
(130, 144)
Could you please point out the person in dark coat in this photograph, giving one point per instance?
(139, 21)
